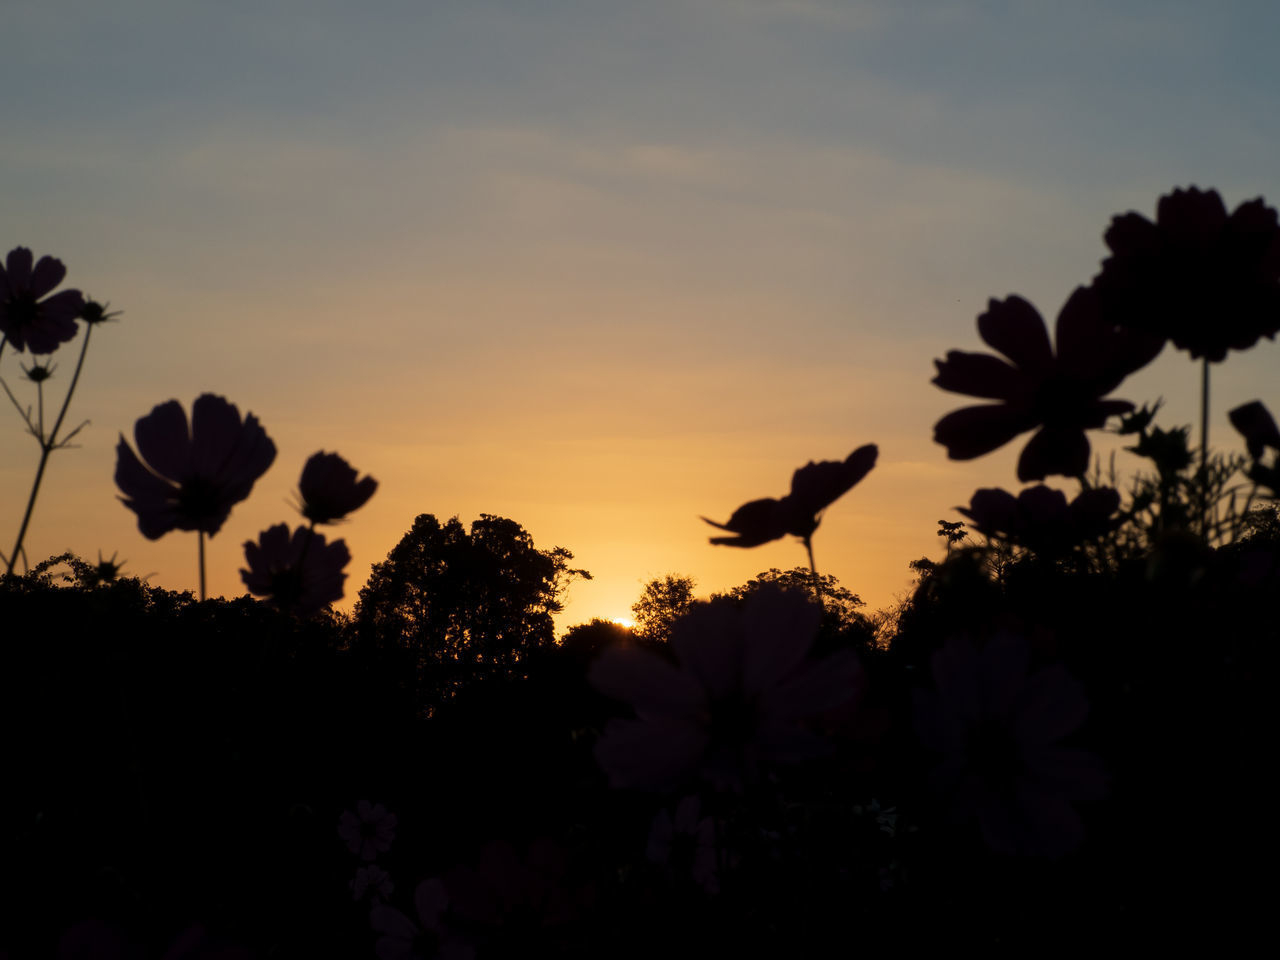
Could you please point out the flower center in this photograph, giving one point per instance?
(198, 500)
(22, 310)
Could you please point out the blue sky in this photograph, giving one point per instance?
(599, 267)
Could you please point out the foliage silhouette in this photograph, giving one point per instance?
(662, 602)
(458, 606)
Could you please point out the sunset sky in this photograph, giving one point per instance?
(599, 267)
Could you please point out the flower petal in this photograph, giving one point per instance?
(778, 630)
(1053, 704)
(215, 431)
(980, 375)
(646, 681)
(993, 511)
(756, 522)
(973, 431)
(19, 269)
(165, 441)
(1057, 450)
(1132, 235)
(150, 497)
(49, 272)
(1015, 328)
(1257, 426)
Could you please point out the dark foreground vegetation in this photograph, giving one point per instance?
(177, 768)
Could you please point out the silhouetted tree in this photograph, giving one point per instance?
(843, 623)
(585, 640)
(663, 601)
(463, 605)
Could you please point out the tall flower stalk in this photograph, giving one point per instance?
(93, 314)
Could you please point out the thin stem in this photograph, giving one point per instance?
(45, 450)
(200, 556)
(47, 446)
(817, 584)
(75, 378)
(1204, 447)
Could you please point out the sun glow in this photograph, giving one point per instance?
(624, 622)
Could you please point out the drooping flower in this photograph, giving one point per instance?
(26, 320)
(300, 573)
(814, 487)
(194, 475)
(736, 702)
(1206, 280)
(368, 830)
(1040, 518)
(329, 488)
(998, 727)
(1255, 423)
(1058, 393)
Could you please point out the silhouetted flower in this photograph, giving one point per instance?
(998, 727)
(1205, 280)
(1040, 518)
(368, 831)
(25, 319)
(399, 938)
(814, 487)
(1260, 433)
(687, 843)
(192, 476)
(736, 702)
(330, 490)
(1255, 423)
(95, 313)
(373, 880)
(1060, 394)
(299, 573)
(513, 901)
(39, 372)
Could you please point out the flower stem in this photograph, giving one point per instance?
(200, 559)
(1204, 448)
(817, 584)
(47, 445)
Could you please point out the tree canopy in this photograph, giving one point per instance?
(463, 604)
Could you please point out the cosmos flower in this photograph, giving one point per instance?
(372, 880)
(814, 487)
(399, 938)
(300, 573)
(736, 702)
(1255, 423)
(1206, 280)
(1061, 394)
(1258, 427)
(368, 831)
(1040, 518)
(998, 727)
(27, 321)
(330, 490)
(192, 475)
